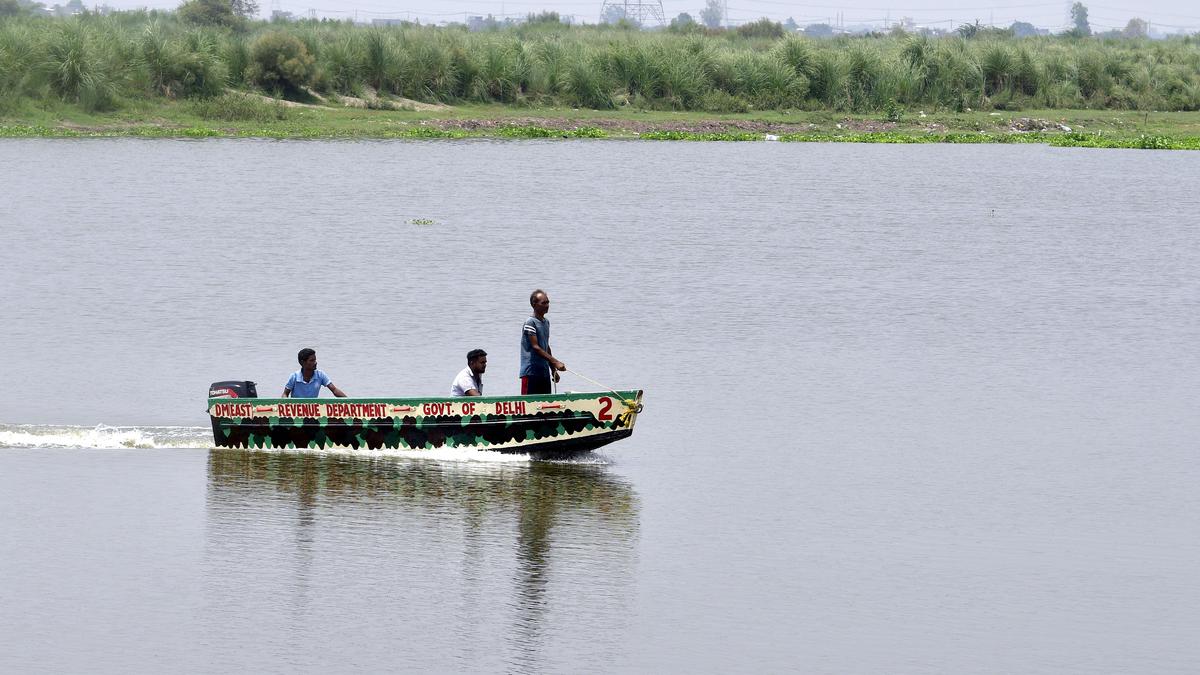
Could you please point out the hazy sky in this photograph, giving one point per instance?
(1164, 15)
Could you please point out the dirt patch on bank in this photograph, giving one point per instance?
(371, 99)
(1028, 124)
(866, 126)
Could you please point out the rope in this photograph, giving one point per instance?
(629, 403)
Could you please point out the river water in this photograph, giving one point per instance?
(909, 409)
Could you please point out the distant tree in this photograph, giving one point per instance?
(818, 30)
(209, 13)
(11, 8)
(969, 30)
(247, 9)
(1079, 17)
(685, 24)
(790, 25)
(615, 14)
(763, 28)
(1136, 28)
(713, 13)
(72, 8)
(544, 18)
(1022, 29)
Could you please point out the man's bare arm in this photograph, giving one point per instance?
(545, 354)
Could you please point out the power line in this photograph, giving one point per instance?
(774, 9)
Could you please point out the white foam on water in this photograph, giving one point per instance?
(592, 457)
(102, 436)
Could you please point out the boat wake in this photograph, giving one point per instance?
(102, 436)
(105, 437)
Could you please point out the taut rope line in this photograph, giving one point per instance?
(629, 403)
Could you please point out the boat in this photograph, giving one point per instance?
(551, 426)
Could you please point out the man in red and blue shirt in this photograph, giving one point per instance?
(538, 364)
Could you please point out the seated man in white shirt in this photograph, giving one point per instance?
(469, 381)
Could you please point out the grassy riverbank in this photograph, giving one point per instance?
(240, 115)
(155, 74)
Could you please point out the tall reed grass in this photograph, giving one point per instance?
(96, 62)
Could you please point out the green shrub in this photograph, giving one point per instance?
(500, 71)
(763, 28)
(771, 83)
(723, 102)
(236, 107)
(19, 56)
(424, 70)
(236, 56)
(585, 84)
(183, 67)
(799, 54)
(342, 64)
(634, 67)
(683, 81)
(279, 61)
(999, 67)
(79, 71)
(827, 84)
(1092, 75)
(377, 60)
(548, 66)
(892, 112)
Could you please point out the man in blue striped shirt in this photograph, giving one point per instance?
(538, 364)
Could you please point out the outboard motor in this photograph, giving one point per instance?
(229, 389)
(232, 389)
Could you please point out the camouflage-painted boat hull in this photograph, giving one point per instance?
(547, 426)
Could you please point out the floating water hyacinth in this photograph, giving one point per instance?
(422, 221)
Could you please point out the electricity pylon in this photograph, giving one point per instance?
(636, 10)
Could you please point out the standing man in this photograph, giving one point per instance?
(307, 382)
(538, 364)
(469, 381)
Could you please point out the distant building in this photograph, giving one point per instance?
(489, 22)
(818, 30)
(72, 8)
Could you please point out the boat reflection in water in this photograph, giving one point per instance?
(479, 564)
